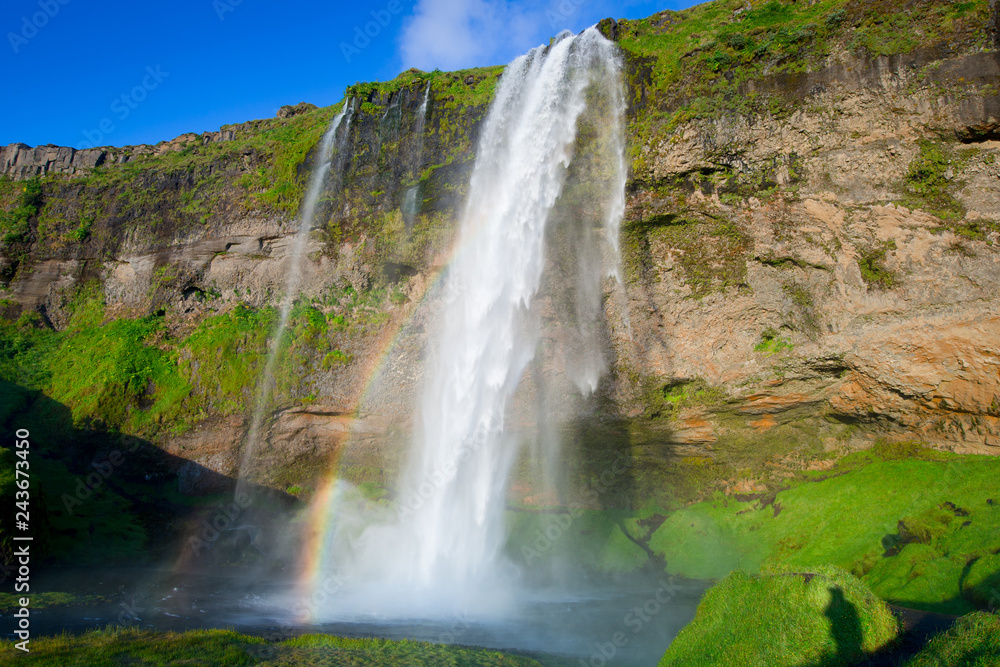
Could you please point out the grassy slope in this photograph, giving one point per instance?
(225, 647)
(140, 379)
(852, 520)
(784, 620)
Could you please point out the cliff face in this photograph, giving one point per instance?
(811, 254)
(863, 277)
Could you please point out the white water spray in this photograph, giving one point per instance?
(443, 552)
(317, 182)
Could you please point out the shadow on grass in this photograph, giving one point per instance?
(917, 629)
(98, 496)
(845, 625)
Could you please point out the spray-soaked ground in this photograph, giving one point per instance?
(628, 622)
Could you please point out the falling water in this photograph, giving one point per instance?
(410, 198)
(317, 181)
(443, 550)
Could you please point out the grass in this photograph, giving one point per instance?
(132, 375)
(449, 88)
(10, 601)
(14, 222)
(784, 619)
(910, 526)
(974, 641)
(118, 646)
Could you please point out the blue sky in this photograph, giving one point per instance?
(118, 73)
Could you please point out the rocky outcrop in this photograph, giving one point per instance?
(289, 110)
(20, 161)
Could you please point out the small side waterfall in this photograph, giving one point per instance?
(317, 182)
(410, 197)
(442, 551)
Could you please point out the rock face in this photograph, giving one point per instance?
(917, 355)
(20, 161)
(787, 278)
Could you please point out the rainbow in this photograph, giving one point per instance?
(320, 519)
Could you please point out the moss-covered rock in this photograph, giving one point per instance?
(827, 617)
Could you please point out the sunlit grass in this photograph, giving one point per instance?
(225, 647)
(784, 620)
(852, 519)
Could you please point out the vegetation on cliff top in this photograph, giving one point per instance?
(461, 88)
(735, 56)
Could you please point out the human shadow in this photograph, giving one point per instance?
(845, 627)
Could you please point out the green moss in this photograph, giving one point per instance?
(803, 300)
(711, 252)
(772, 343)
(666, 400)
(14, 222)
(835, 520)
(928, 186)
(131, 375)
(981, 583)
(871, 261)
(785, 619)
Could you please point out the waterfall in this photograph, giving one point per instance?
(317, 182)
(410, 198)
(443, 549)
